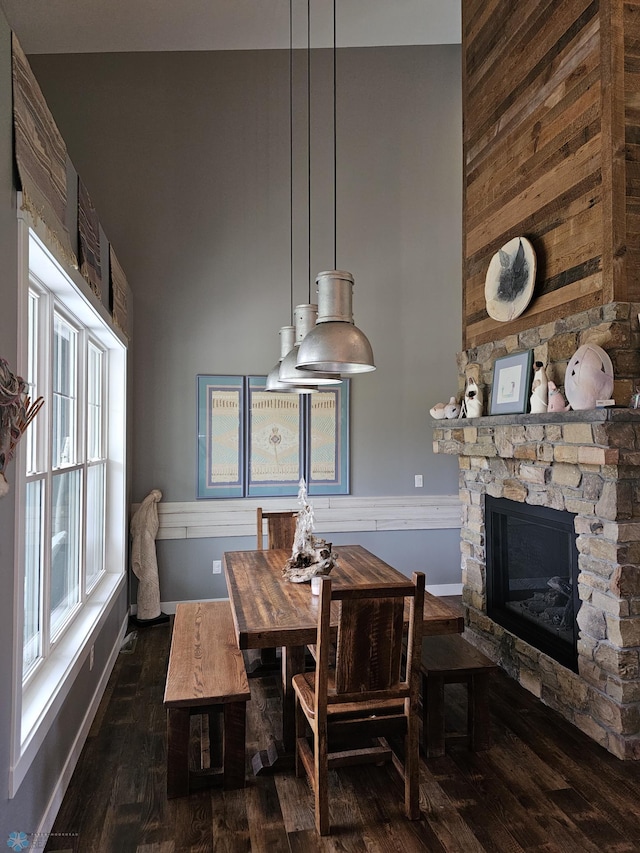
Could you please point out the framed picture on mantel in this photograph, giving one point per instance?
(511, 384)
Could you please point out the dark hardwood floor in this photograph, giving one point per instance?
(543, 786)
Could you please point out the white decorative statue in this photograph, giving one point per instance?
(310, 556)
(539, 390)
(473, 399)
(144, 529)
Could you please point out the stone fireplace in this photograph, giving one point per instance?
(551, 147)
(586, 463)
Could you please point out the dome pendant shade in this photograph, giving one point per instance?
(335, 344)
(305, 320)
(287, 335)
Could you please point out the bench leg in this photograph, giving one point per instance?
(235, 720)
(216, 735)
(479, 720)
(177, 752)
(433, 715)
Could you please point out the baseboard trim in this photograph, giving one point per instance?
(445, 589)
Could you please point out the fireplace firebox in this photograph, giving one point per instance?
(532, 570)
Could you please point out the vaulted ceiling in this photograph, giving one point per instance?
(96, 26)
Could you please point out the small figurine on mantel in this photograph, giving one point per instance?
(472, 399)
(539, 389)
(557, 402)
(452, 409)
(310, 556)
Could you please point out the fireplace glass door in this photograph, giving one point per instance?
(532, 567)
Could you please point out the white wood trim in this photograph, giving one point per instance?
(237, 517)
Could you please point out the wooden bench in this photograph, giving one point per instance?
(206, 676)
(450, 659)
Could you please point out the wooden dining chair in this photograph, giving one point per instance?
(371, 692)
(281, 529)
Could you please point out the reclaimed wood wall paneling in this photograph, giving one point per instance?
(537, 55)
(547, 137)
(533, 155)
(614, 229)
(631, 72)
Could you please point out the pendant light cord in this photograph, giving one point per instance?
(335, 148)
(291, 156)
(309, 137)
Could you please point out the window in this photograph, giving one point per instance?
(72, 525)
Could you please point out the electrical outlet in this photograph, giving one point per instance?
(217, 567)
(91, 656)
(418, 481)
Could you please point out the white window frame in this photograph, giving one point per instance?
(37, 699)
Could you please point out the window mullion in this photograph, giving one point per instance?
(46, 367)
(82, 391)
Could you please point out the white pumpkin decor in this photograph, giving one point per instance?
(589, 377)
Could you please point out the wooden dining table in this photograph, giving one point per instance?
(269, 611)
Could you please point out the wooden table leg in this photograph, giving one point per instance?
(292, 664)
(235, 716)
(281, 755)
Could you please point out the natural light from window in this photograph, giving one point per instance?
(72, 527)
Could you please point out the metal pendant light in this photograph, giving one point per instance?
(335, 344)
(273, 383)
(305, 320)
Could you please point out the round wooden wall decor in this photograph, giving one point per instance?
(508, 287)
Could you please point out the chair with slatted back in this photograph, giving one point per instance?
(281, 528)
(370, 694)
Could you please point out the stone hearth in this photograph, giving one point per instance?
(587, 463)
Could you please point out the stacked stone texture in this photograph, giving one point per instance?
(614, 327)
(587, 463)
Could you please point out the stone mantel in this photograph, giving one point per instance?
(608, 436)
(587, 463)
(615, 414)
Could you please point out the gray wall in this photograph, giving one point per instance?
(186, 157)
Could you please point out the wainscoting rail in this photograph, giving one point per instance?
(213, 519)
